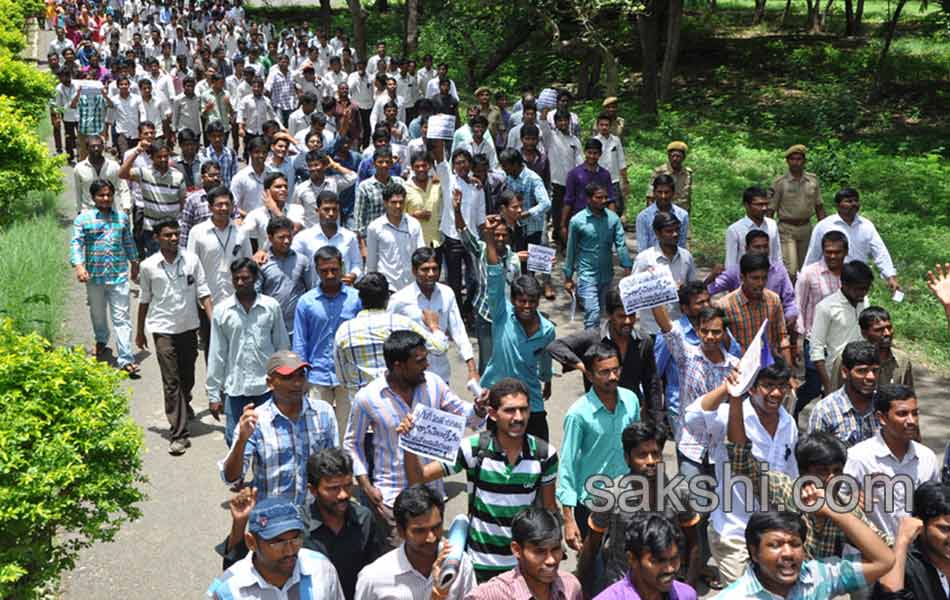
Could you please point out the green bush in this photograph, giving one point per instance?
(31, 88)
(70, 464)
(25, 164)
(13, 16)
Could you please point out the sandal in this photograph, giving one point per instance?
(132, 369)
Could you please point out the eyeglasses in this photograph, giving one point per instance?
(281, 545)
(771, 387)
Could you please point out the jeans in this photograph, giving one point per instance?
(115, 297)
(811, 389)
(690, 469)
(483, 335)
(234, 407)
(593, 295)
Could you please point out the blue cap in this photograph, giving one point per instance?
(274, 516)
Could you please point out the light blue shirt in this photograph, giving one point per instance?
(514, 354)
(818, 580)
(646, 237)
(316, 320)
(591, 444)
(590, 239)
(241, 343)
(535, 199)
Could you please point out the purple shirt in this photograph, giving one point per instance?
(624, 590)
(577, 180)
(778, 282)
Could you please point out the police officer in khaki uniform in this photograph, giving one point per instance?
(793, 198)
(617, 123)
(683, 176)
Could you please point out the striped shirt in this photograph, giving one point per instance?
(512, 586)
(746, 316)
(379, 407)
(163, 194)
(836, 415)
(815, 282)
(697, 376)
(278, 449)
(103, 244)
(358, 345)
(500, 491)
(819, 579)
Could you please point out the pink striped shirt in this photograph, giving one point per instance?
(511, 586)
(815, 283)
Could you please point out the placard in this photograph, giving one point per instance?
(440, 127)
(547, 99)
(756, 357)
(647, 289)
(89, 87)
(540, 258)
(435, 434)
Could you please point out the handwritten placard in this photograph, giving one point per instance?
(440, 127)
(547, 98)
(435, 434)
(647, 289)
(540, 258)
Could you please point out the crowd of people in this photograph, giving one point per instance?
(276, 205)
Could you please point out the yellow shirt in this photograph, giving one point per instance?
(426, 198)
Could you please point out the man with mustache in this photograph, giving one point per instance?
(878, 329)
(893, 451)
(779, 569)
(848, 413)
(507, 470)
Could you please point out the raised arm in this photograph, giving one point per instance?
(938, 281)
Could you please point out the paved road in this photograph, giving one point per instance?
(168, 552)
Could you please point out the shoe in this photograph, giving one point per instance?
(177, 447)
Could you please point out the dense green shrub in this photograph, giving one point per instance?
(25, 164)
(13, 16)
(31, 88)
(70, 464)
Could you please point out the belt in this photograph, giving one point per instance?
(795, 222)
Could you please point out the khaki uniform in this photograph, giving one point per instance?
(794, 201)
(683, 194)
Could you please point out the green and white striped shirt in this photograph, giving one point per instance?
(501, 492)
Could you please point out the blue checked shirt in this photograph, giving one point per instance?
(818, 580)
(278, 449)
(92, 114)
(835, 414)
(227, 159)
(102, 242)
(534, 198)
(379, 407)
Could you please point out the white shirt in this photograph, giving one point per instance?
(473, 203)
(163, 86)
(125, 112)
(376, 116)
(410, 302)
(154, 110)
(84, 174)
(735, 239)
(255, 223)
(389, 249)
(423, 77)
(64, 96)
(253, 112)
(248, 188)
(485, 147)
(864, 243)
(873, 457)
(217, 249)
(305, 194)
(307, 242)
(331, 81)
(392, 577)
(563, 150)
(372, 65)
(361, 90)
(835, 324)
(172, 292)
(683, 270)
(613, 158)
(408, 88)
(432, 88)
(242, 581)
(778, 452)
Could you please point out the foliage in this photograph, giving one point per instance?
(70, 463)
(25, 164)
(13, 16)
(31, 88)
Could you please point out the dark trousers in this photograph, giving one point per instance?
(70, 129)
(57, 133)
(176, 354)
(411, 114)
(248, 136)
(285, 115)
(811, 389)
(204, 332)
(455, 255)
(123, 143)
(557, 206)
(538, 425)
(364, 121)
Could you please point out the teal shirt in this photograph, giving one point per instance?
(591, 444)
(590, 239)
(819, 579)
(514, 354)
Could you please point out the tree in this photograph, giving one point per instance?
(889, 29)
(359, 26)
(759, 14)
(674, 18)
(411, 38)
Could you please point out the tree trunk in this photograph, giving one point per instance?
(858, 16)
(712, 5)
(411, 40)
(500, 54)
(786, 14)
(611, 71)
(649, 40)
(824, 15)
(888, 38)
(849, 18)
(325, 12)
(813, 20)
(674, 20)
(359, 27)
(382, 6)
(759, 15)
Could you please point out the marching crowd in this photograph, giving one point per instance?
(277, 205)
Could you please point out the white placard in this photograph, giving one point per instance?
(435, 434)
(440, 127)
(750, 364)
(647, 289)
(89, 87)
(547, 99)
(540, 258)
